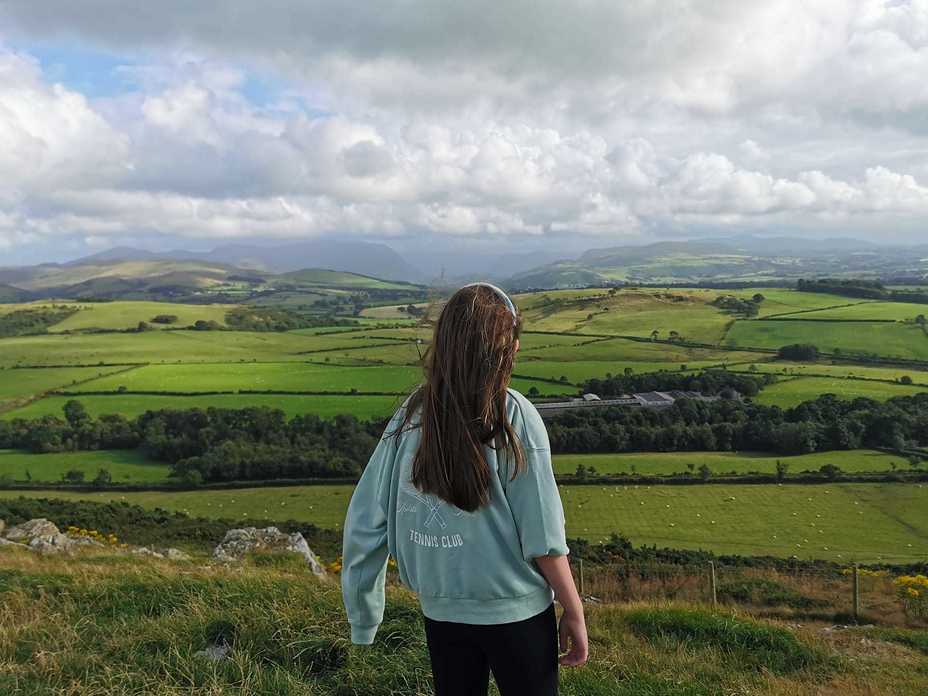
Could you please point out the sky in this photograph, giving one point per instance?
(517, 125)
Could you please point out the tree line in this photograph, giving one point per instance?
(260, 443)
(256, 443)
(713, 382)
(824, 424)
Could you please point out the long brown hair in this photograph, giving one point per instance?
(467, 368)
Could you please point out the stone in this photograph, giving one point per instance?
(176, 555)
(39, 528)
(2, 525)
(54, 543)
(12, 544)
(239, 542)
(214, 653)
(145, 551)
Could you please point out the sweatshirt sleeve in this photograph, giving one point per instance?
(533, 495)
(364, 544)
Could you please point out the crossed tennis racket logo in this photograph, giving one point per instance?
(432, 503)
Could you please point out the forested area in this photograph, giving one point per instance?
(708, 382)
(825, 424)
(865, 289)
(262, 444)
(212, 444)
(25, 322)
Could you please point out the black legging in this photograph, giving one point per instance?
(523, 656)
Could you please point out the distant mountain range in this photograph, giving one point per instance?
(717, 261)
(129, 273)
(366, 258)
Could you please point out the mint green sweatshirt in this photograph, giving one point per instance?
(470, 567)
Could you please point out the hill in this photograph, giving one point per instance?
(365, 258)
(748, 260)
(113, 623)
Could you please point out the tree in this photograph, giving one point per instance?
(782, 470)
(905, 379)
(73, 476)
(533, 391)
(628, 372)
(831, 471)
(76, 414)
(705, 473)
(103, 478)
(758, 298)
(655, 334)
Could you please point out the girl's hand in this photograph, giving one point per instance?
(573, 639)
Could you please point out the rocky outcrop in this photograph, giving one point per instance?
(40, 535)
(239, 542)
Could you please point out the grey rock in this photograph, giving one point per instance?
(14, 544)
(39, 528)
(176, 555)
(214, 653)
(55, 543)
(145, 551)
(239, 542)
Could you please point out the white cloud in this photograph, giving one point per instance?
(507, 119)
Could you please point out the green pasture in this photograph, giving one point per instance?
(840, 522)
(170, 347)
(259, 376)
(19, 384)
(792, 392)
(669, 463)
(131, 405)
(125, 466)
(126, 315)
(629, 313)
(889, 340)
(895, 311)
(888, 374)
(784, 301)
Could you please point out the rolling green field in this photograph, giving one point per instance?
(782, 301)
(841, 522)
(125, 466)
(894, 311)
(131, 405)
(793, 391)
(251, 376)
(126, 315)
(889, 340)
(18, 384)
(667, 463)
(172, 347)
(885, 374)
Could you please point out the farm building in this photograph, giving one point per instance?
(654, 399)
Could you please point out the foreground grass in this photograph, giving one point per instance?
(840, 522)
(113, 625)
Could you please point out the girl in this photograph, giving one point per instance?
(460, 491)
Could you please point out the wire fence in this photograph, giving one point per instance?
(849, 595)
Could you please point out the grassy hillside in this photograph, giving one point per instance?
(125, 466)
(131, 405)
(108, 625)
(889, 340)
(668, 463)
(842, 522)
(793, 391)
(17, 385)
(126, 315)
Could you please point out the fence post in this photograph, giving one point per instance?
(581, 576)
(712, 584)
(856, 593)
